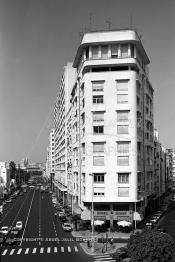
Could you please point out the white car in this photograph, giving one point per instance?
(19, 225)
(67, 227)
(4, 230)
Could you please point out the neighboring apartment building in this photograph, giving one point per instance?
(160, 172)
(4, 178)
(170, 155)
(61, 108)
(50, 158)
(112, 123)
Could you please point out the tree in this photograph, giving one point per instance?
(12, 168)
(150, 246)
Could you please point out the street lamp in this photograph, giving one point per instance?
(92, 248)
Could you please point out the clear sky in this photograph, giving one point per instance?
(38, 37)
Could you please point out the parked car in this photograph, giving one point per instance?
(63, 219)
(120, 254)
(161, 229)
(4, 230)
(67, 227)
(149, 225)
(19, 225)
(11, 239)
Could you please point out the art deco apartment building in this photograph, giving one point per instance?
(112, 127)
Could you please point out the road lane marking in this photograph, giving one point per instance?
(27, 218)
(19, 251)
(76, 249)
(48, 250)
(62, 249)
(27, 251)
(34, 250)
(103, 256)
(41, 249)
(69, 249)
(55, 250)
(5, 251)
(12, 251)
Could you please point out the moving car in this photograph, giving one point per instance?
(67, 227)
(19, 225)
(4, 230)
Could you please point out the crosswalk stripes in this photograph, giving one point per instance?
(103, 258)
(12, 251)
(4, 253)
(76, 249)
(34, 250)
(40, 250)
(26, 251)
(19, 251)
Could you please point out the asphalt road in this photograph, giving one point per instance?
(42, 238)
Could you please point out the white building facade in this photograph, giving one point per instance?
(112, 126)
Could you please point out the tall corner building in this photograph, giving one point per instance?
(112, 127)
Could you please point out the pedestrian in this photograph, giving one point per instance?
(112, 241)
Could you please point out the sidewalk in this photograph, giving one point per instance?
(100, 248)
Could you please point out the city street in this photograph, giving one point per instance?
(42, 236)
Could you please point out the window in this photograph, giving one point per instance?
(98, 129)
(123, 191)
(122, 84)
(122, 98)
(124, 50)
(121, 129)
(114, 51)
(123, 178)
(98, 99)
(99, 191)
(104, 51)
(83, 177)
(95, 52)
(97, 86)
(123, 160)
(98, 147)
(99, 178)
(87, 53)
(98, 117)
(98, 160)
(122, 116)
(123, 147)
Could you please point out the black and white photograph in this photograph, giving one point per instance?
(87, 131)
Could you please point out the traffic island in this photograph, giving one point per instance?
(104, 243)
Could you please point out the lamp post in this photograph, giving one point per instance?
(92, 216)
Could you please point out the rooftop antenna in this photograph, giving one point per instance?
(90, 22)
(109, 23)
(131, 21)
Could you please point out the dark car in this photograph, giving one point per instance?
(63, 219)
(120, 254)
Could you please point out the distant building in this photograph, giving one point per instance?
(24, 163)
